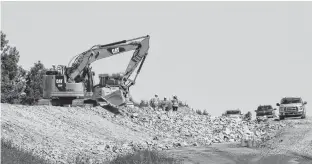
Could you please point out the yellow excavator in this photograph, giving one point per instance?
(73, 85)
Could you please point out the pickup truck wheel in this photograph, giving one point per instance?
(281, 117)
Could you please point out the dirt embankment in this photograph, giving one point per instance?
(296, 139)
(60, 134)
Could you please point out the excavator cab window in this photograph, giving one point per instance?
(52, 72)
(103, 79)
(113, 80)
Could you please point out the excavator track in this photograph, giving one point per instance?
(73, 85)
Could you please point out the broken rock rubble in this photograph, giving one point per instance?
(187, 128)
(168, 130)
(102, 135)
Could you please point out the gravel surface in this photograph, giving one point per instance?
(61, 133)
(296, 139)
(290, 145)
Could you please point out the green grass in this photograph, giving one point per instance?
(145, 157)
(13, 155)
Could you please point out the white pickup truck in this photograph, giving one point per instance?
(292, 107)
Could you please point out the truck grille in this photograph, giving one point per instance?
(291, 109)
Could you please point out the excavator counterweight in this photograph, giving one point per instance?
(73, 85)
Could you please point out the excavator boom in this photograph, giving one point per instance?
(75, 82)
(98, 52)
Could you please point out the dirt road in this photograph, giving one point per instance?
(292, 145)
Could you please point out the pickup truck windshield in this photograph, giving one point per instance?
(232, 112)
(262, 108)
(291, 100)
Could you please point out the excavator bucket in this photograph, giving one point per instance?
(115, 99)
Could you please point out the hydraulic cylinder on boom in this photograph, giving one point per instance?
(73, 85)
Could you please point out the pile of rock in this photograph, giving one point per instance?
(61, 133)
(186, 128)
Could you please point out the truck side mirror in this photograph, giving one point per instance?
(255, 110)
(305, 103)
(277, 104)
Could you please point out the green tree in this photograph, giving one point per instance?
(34, 85)
(12, 75)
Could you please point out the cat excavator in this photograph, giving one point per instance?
(73, 85)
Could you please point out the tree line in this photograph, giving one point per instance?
(19, 86)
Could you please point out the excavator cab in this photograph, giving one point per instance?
(112, 80)
(73, 85)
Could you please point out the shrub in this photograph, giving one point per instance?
(165, 105)
(153, 103)
(205, 112)
(34, 84)
(181, 104)
(199, 112)
(143, 103)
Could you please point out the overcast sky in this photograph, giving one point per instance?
(214, 55)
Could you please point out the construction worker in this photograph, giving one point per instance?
(154, 102)
(164, 104)
(175, 103)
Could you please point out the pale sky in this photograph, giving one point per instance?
(214, 55)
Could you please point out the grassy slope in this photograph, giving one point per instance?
(10, 155)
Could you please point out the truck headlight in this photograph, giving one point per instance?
(300, 108)
(281, 109)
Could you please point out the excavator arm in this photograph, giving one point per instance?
(139, 45)
(74, 84)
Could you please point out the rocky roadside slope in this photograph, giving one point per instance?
(62, 133)
(295, 139)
